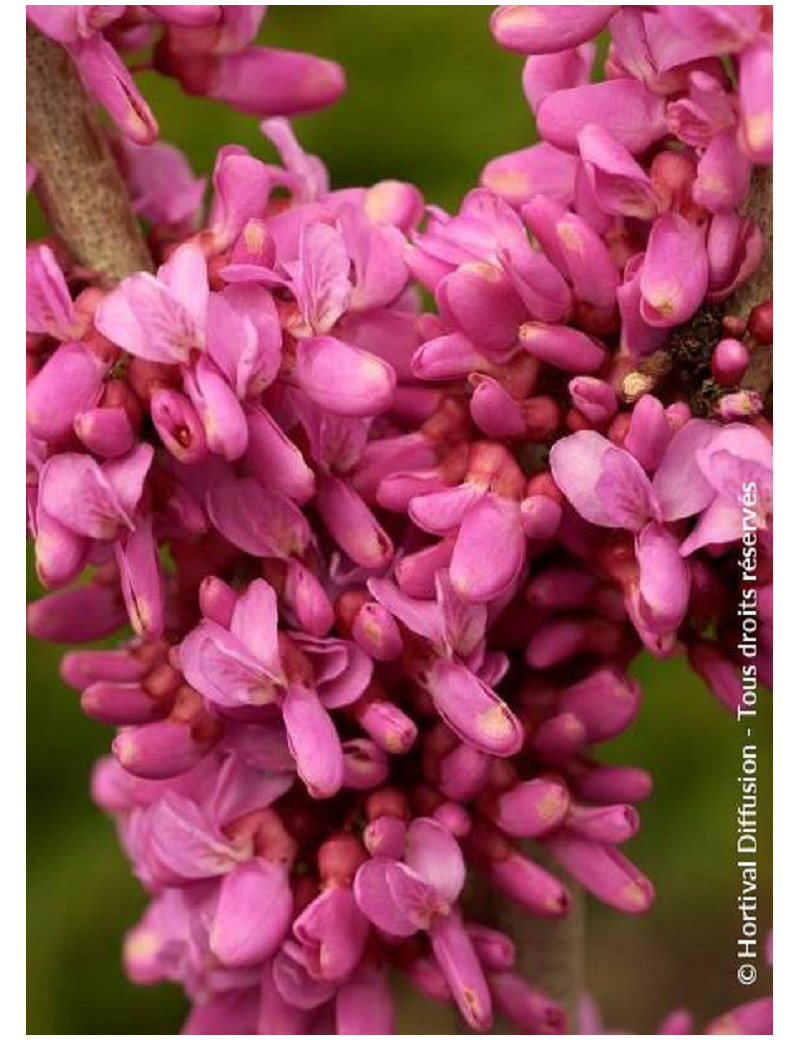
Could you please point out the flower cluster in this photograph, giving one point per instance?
(208, 48)
(387, 567)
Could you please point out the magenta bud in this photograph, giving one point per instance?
(561, 588)
(167, 748)
(446, 357)
(463, 772)
(648, 432)
(105, 431)
(593, 398)
(632, 114)
(545, 29)
(531, 808)
(178, 425)
(539, 169)
(759, 322)
(308, 599)
(389, 726)
(260, 81)
(274, 459)
(376, 632)
(122, 704)
(365, 764)
(69, 383)
(604, 871)
(352, 524)
(559, 737)
(495, 411)
(495, 950)
(555, 642)
(385, 836)
(562, 347)
(394, 202)
(613, 784)
(540, 517)
(529, 885)
(729, 361)
(606, 702)
(81, 668)
(533, 1013)
(217, 600)
(427, 977)
(675, 271)
(723, 175)
(77, 615)
(608, 824)
(416, 573)
(454, 817)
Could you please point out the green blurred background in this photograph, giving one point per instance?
(430, 99)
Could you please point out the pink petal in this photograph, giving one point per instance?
(48, 305)
(546, 28)
(352, 524)
(342, 378)
(678, 483)
(664, 579)
(186, 843)
(457, 958)
(376, 899)
(106, 77)
(216, 664)
(419, 616)
(627, 110)
(333, 931)
(603, 483)
(74, 490)
(620, 185)
(364, 1004)
(434, 854)
(262, 81)
(241, 188)
(490, 550)
(68, 384)
(755, 98)
(540, 169)
(472, 710)
(723, 175)
(544, 74)
(674, 272)
(256, 520)
(481, 302)
(275, 459)
(313, 742)
(140, 579)
(562, 347)
(255, 624)
(253, 914)
(320, 278)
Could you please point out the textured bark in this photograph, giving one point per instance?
(78, 183)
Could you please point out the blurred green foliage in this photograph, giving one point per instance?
(430, 99)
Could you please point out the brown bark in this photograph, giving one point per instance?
(78, 183)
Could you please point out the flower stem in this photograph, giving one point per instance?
(78, 183)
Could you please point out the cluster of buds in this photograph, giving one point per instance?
(387, 568)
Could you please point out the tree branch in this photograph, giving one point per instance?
(78, 183)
